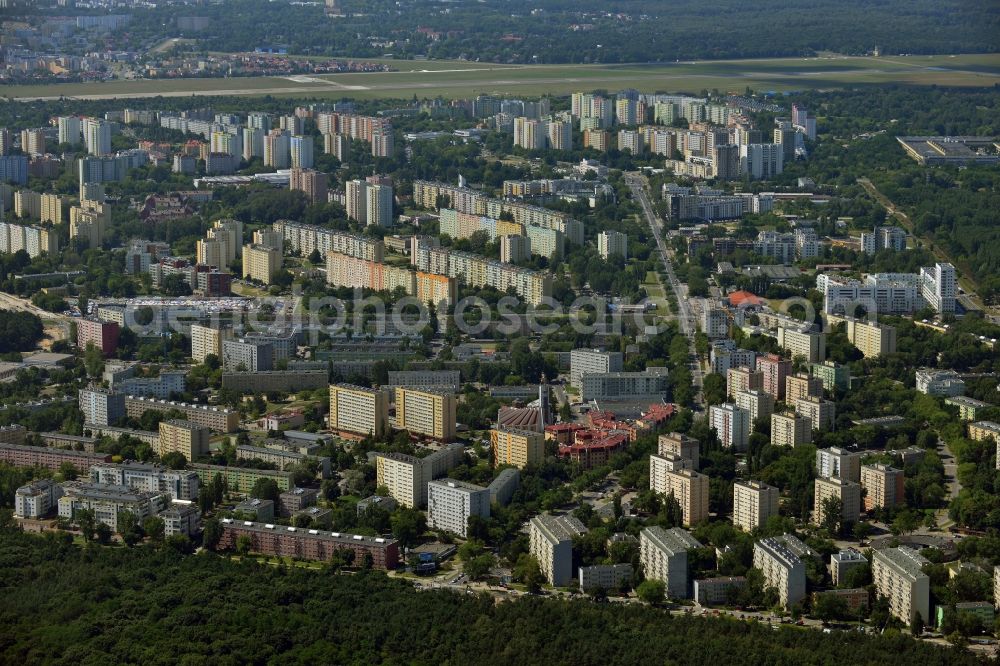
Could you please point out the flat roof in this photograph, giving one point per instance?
(335, 537)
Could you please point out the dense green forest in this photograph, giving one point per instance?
(96, 605)
(563, 31)
(19, 331)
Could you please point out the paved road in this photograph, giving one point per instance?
(952, 484)
(684, 315)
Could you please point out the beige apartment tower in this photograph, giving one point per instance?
(753, 503)
(356, 410)
(183, 437)
(426, 412)
(512, 446)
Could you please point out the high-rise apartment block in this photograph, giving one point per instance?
(848, 492)
(451, 503)
(732, 425)
(899, 577)
(550, 540)
(583, 361)
(97, 136)
(774, 370)
(612, 243)
(261, 263)
(690, 489)
(70, 130)
(810, 345)
(358, 411)
(820, 412)
(790, 429)
(753, 503)
(426, 412)
(313, 183)
(663, 554)
(802, 385)
(884, 486)
(840, 462)
(407, 477)
(184, 437)
(301, 150)
(512, 446)
(939, 287)
(758, 404)
(833, 375)
(101, 406)
(514, 249)
(743, 379)
(101, 334)
(680, 445)
(782, 569)
(247, 355)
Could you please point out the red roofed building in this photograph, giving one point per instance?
(562, 433)
(655, 416)
(594, 448)
(594, 416)
(744, 299)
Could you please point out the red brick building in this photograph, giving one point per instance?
(309, 544)
(20, 455)
(103, 334)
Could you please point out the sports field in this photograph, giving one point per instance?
(463, 79)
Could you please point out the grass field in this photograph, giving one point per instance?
(462, 79)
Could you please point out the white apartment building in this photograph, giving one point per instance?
(753, 503)
(107, 502)
(761, 161)
(181, 519)
(899, 577)
(731, 424)
(583, 361)
(379, 202)
(663, 554)
(450, 503)
(37, 499)
(659, 465)
(839, 462)
(782, 570)
(179, 484)
(101, 406)
(715, 322)
(612, 243)
(407, 477)
(550, 540)
(939, 287)
(943, 383)
(604, 576)
(843, 561)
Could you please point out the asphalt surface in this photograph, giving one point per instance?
(685, 318)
